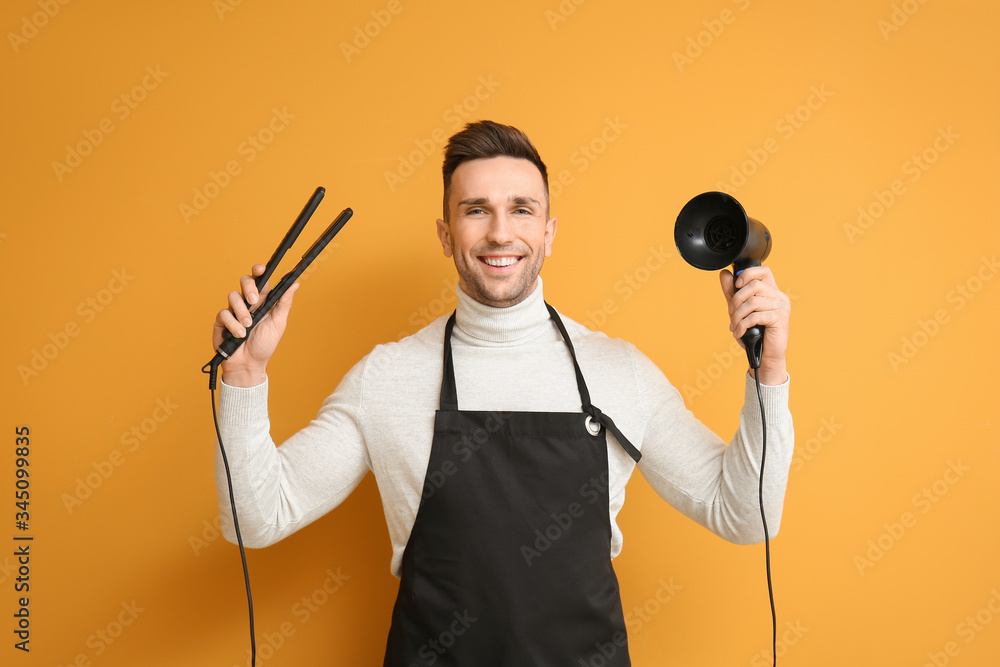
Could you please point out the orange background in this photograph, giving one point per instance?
(807, 112)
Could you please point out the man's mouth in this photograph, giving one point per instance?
(499, 261)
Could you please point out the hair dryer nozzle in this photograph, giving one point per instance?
(713, 231)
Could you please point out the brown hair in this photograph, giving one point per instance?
(486, 139)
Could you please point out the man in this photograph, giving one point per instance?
(500, 478)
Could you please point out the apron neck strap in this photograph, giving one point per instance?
(588, 407)
(449, 393)
(580, 382)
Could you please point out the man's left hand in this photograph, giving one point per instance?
(755, 300)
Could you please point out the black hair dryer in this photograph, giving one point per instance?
(712, 232)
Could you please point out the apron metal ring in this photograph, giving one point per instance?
(594, 428)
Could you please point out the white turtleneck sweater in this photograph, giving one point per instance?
(381, 418)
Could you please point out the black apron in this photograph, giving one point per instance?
(509, 560)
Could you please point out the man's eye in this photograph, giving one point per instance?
(523, 211)
(475, 211)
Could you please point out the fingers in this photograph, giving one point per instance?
(249, 289)
(237, 318)
(225, 321)
(248, 285)
(756, 301)
(239, 309)
(726, 279)
(755, 311)
(761, 273)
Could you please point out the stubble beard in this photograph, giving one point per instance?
(498, 292)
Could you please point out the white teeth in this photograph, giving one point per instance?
(500, 261)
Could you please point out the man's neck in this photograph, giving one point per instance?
(480, 324)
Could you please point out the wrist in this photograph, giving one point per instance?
(771, 374)
(244, 376)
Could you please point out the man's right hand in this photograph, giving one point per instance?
(247, 366)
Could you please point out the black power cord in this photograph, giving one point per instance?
(753, 339)
(236, 523)
(763, 520)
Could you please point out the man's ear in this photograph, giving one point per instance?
(550, 235)
(444, 234)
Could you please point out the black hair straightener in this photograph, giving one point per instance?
(231, 343)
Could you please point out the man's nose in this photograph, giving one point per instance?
(501, 229)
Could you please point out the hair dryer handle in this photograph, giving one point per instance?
(753, 339)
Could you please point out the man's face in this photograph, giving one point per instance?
(498, 230)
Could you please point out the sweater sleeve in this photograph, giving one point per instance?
(281, 489)
(709, 481)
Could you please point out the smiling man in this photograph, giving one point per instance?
(500, 478)
(499, 232)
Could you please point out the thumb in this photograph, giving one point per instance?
(284, 305)
(727, 281)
